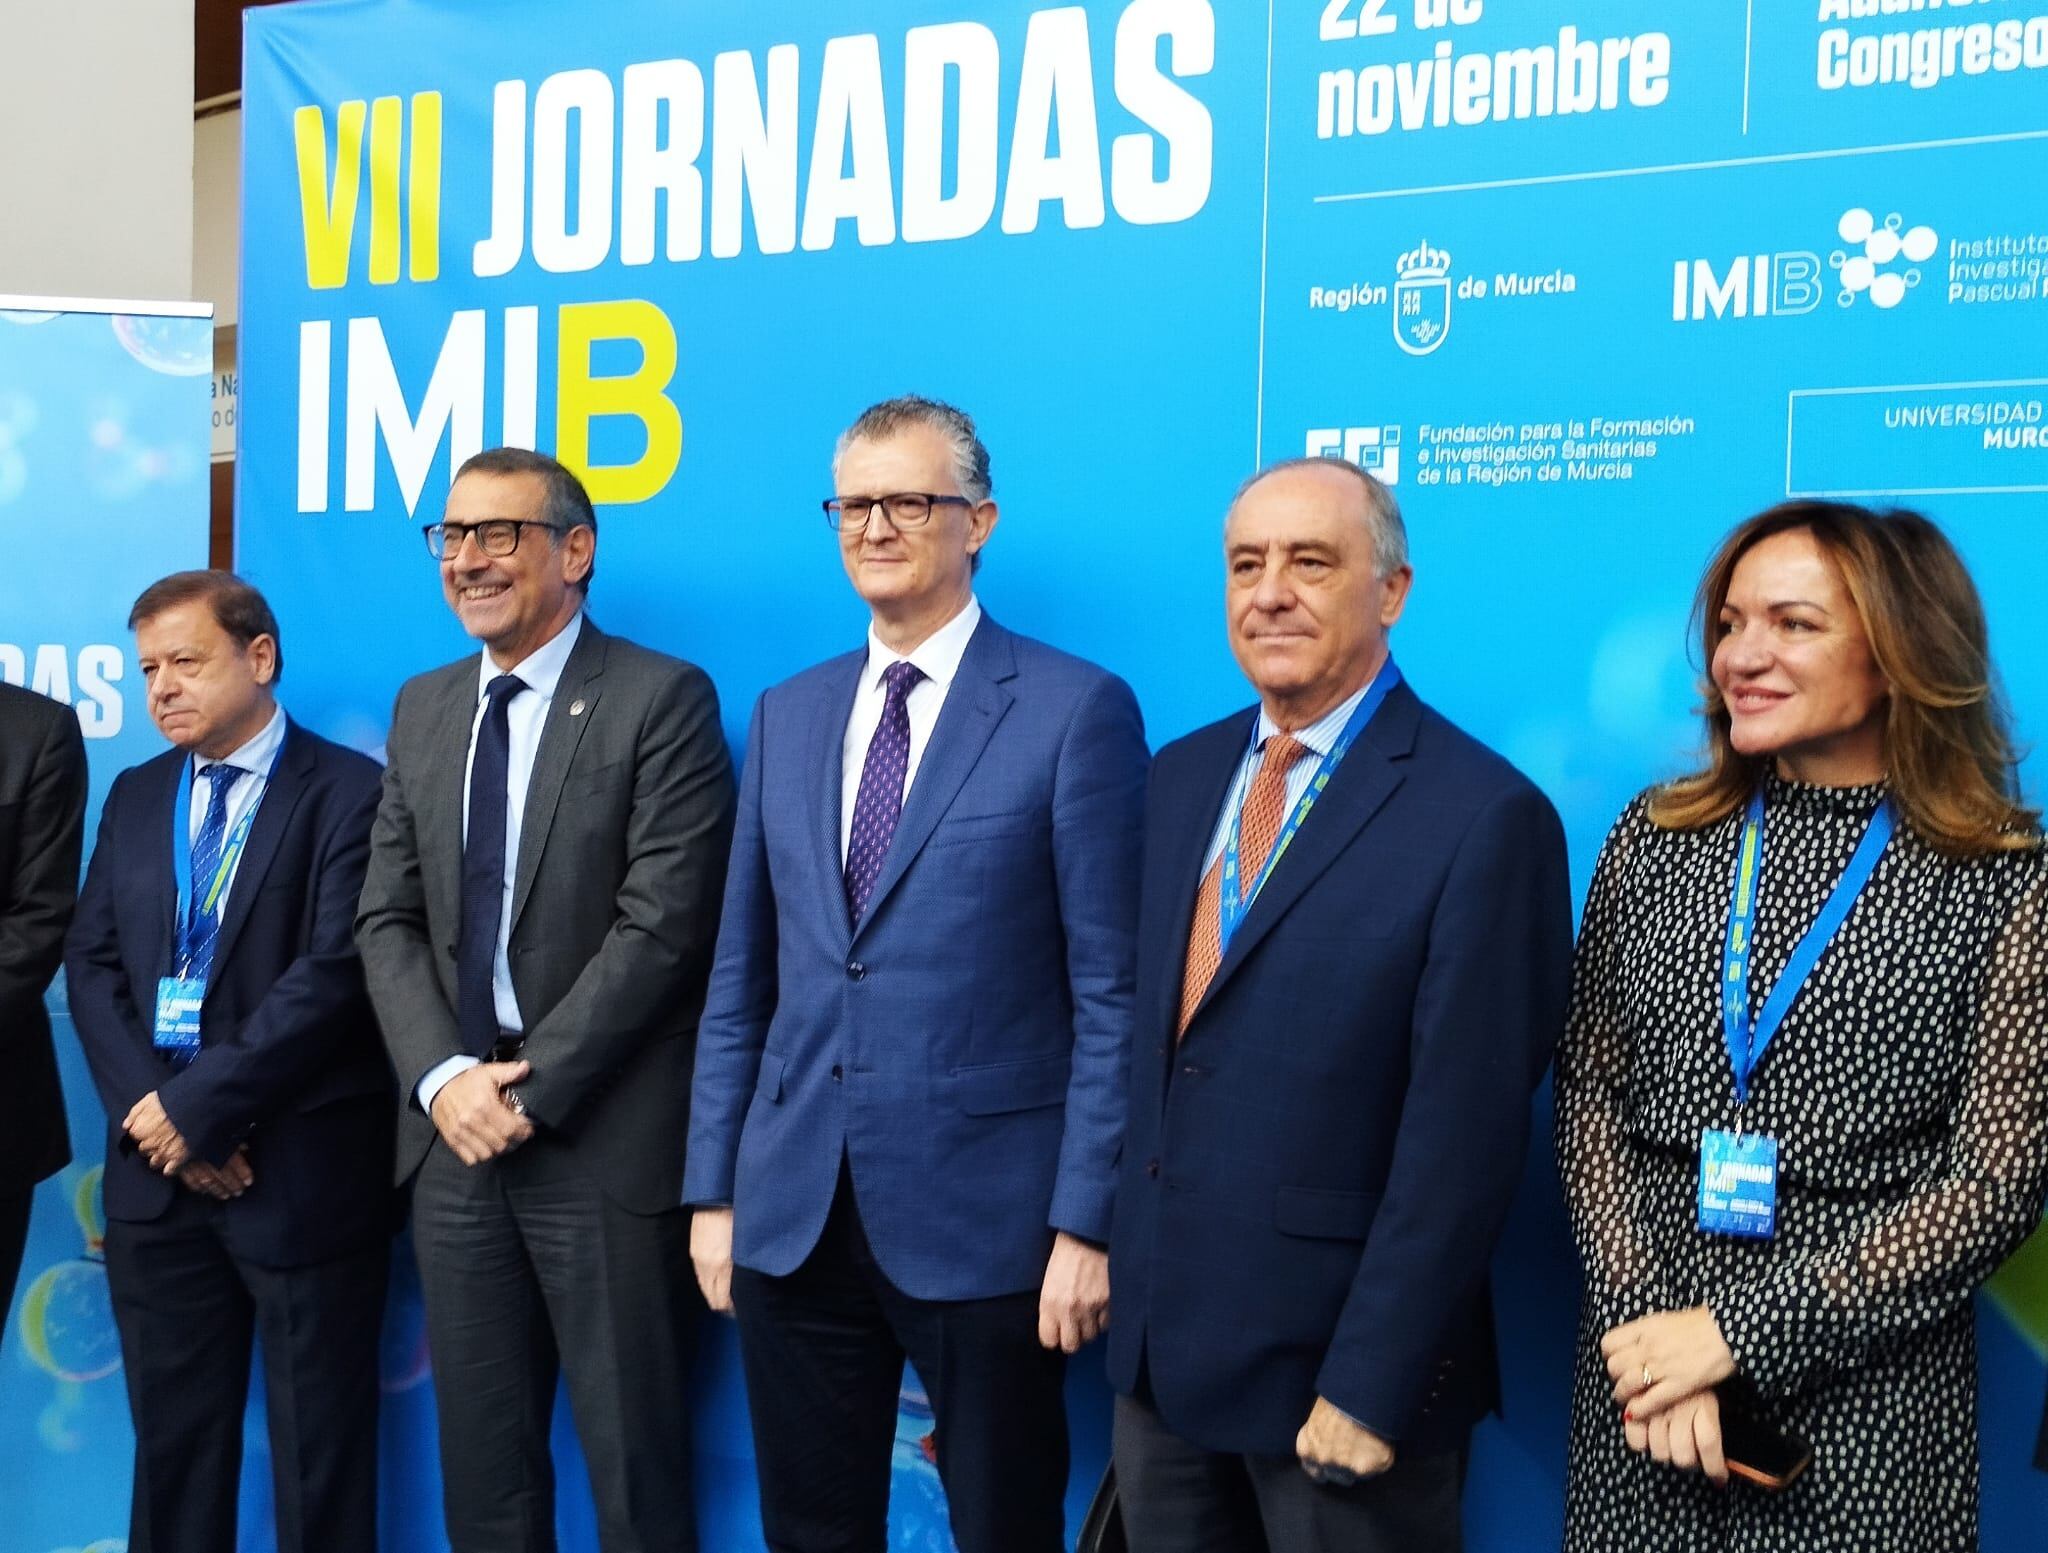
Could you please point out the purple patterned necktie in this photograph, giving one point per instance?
(879, 802)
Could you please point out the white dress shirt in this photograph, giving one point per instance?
(938, 655)
(255, 757)
(1320, 736)
(526, 714)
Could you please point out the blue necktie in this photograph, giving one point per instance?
(483, 870)
(879, 802)
(202, 927)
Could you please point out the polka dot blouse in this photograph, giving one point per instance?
(1908, 1092)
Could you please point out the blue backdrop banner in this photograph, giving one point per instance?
(1584, 294)
(103, 489)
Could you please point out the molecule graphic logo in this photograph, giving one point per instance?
(1867, 267)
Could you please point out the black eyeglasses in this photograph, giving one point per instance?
(494, 536)
(904, 509)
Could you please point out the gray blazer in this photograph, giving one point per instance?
(621, 866)
(42, 828)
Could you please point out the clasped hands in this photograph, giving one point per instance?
(169, 1154)
(1664, 1368)
(473, 1116)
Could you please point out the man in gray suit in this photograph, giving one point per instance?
(536, 928)
(42, 828)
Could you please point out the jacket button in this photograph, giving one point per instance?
(855, 971)
(838, 1073)
(1152, 1168)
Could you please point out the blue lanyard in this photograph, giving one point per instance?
(1233, 900)
(209, 901)
(1747, 1041)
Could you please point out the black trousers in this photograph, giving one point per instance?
(531, 1272)
(823, 1350)
(187, 1309)
(1180, 1498)
(14, 1209)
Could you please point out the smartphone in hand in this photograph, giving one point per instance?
(1758, 1452)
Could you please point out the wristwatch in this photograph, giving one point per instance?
(511, 1098)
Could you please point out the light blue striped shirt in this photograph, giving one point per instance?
(1320, 736)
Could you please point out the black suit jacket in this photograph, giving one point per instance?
(42, 823)
(1314, 1176)
(291, 1064)
(622, 857)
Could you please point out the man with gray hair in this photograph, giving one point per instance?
(910, 1071)
(1353, 948)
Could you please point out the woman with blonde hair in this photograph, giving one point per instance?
(1802, 1099)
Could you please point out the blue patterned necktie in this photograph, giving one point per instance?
(483, 869)
(879, 803)
(202, 927)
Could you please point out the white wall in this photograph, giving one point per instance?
(96, 148)
(216, 214)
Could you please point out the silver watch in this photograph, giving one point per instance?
(512, 1099)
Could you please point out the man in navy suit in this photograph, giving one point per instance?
(1353, 952)
(216, 990)
(909, 1085)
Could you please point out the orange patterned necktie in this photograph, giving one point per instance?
(1258, 824)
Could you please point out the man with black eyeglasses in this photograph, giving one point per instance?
(537, 927)
(910, 1075)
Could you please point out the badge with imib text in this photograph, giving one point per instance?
(1738, 1184)
(178, 1002)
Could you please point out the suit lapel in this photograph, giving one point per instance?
(824, 762)
(1365, 779)
(569, 713)
(975, 703)
(438, 783)
(273, 814)
(161, 869)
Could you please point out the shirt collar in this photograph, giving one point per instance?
(937, 656)
(257, 754)
(1319, 736)
(542, 668)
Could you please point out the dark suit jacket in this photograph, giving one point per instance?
(621, 860)
(1314, 1178)
(42, 824)
(963, 1045)
(291, 1063)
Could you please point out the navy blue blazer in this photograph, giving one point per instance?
(1313, 1179)
(964, 1045)
(292, 1064)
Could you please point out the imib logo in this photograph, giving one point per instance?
(1870, 272)
(1792, 281)
(1753, 285)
